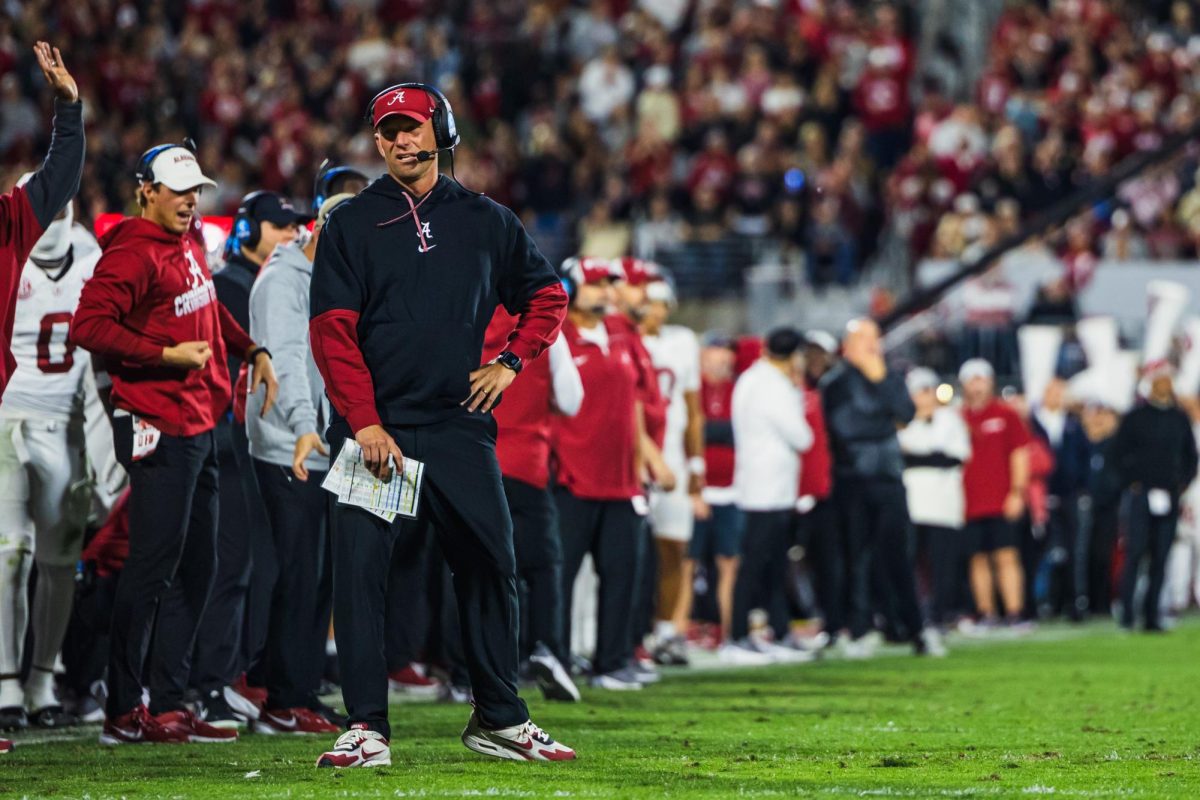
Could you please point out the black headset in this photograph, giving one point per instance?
(246, 229)
(567, 279)
(327, 174)
(145, 172)
(445, 132)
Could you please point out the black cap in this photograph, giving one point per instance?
(784, 342)
(273, 208)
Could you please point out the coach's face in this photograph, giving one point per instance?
(398, 139)
(171, 209)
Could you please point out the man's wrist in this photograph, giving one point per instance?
(363, 417)
(511, 360)
(255, 351)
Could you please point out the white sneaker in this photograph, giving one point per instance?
(780, 653)
(930, 644)
(742, 656)
(622, 680)
(524, 742)
(553, 680)
(358, 747)
(857, 649)
(645, 674)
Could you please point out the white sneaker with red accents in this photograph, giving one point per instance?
(524, 742)
(358, 747)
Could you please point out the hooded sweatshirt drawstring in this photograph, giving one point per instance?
(412, 210)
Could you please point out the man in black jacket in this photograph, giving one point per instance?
(1099, 507)
(407, 276)
(1156, 456)
(865, 404)
(1062, 431)
(233, 630)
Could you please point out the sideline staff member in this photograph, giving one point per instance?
(406, 278)
(151, 311)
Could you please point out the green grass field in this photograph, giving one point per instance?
(1065, 711)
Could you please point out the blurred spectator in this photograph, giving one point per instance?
(1123, 242)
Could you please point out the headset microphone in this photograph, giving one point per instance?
(426, 155)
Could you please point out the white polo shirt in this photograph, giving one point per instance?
(769, 434)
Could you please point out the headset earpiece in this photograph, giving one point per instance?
(246, 229)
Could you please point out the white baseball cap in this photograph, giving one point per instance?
(920, 378)
(178, 170)
(975, 368)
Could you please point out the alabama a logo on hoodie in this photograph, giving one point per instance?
(201, 290)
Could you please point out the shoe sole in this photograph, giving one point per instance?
(488, 748)
(210, 740)
(551, 685)
(385, 761)
(112, 741)
(624, 687)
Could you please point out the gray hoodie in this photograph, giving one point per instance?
(279, 322)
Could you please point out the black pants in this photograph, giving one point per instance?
(539, 564)
(1147, 535)
(303, 591)
(233, 630)
(873, 515)
(1099, 527)
(763, 571)
(409, 592)
(612, 532)
(463, 498)
(945, 552)
(646, 593)
(165, 584)
(823, 547)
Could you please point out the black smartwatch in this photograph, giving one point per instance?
(510, 360)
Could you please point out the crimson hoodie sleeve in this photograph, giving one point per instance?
(122, 278)
(530, 289)
(539, 323)
(237, 341)
(336, 298)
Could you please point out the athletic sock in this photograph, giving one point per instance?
(15, 563)
(51, 615)
(39, 689)
(664, 630)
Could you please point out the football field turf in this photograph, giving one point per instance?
(1069, 712)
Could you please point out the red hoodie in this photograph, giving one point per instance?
(19, 232)
(523, 416)
(153, 289)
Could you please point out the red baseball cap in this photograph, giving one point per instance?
(639, 272)
(591, 270)
(417, 104)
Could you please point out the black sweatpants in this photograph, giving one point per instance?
(1147, 535)
(945, 551)
(1099, 530)
(410, 592)
(166, 581)
(824, 551)
(611, 531)
(463, 498)
(873, 516)
(233, 630)
(303, 593)
(539, 564)
(763, 571)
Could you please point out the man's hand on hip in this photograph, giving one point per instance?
(487, 383)
(377, 445)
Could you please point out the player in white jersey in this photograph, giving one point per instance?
(675, 352)
(44, 496)
(1183, 564)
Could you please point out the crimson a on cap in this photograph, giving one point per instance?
(413, 103)
(639, 271)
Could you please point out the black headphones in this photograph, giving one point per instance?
(568, 279)
(326, 176)
(445, 132)
(144, 171)
(246, 229)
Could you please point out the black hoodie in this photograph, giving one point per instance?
(406, 287)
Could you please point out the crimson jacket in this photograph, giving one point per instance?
(524, 413)
(152, 289)
(26, 212)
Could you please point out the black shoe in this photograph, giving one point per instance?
(12, 718)
(52, 717)
(214, 710)
(330, 713)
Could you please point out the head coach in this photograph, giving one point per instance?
(406, 278)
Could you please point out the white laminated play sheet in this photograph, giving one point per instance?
(354, 484)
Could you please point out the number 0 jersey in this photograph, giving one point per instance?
(49, 368)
